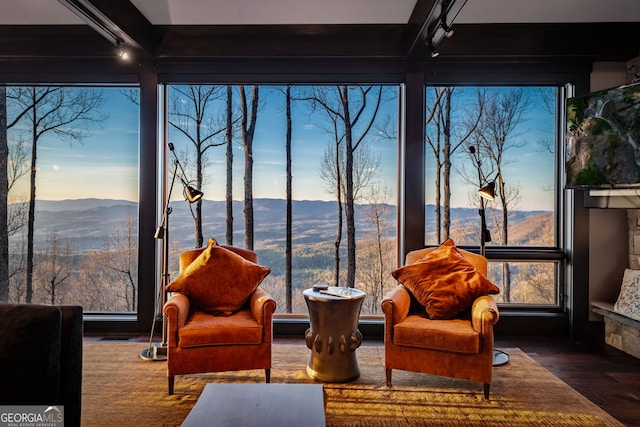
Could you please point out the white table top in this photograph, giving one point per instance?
(334, 293)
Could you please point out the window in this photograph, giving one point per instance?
(504, 137)
(72, 198)
(235, 145)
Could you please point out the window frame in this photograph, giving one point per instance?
(516, 254)
(413, 74)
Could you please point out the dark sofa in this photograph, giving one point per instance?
(41, 357)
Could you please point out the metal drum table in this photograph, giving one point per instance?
(333, 336)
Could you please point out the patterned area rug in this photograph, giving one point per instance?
(121, 389)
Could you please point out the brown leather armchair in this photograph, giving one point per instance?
(461, 347)
(199, 341)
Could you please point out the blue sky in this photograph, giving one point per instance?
(309, 141)
(104, 165)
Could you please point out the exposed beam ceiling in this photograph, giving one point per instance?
(195, 30)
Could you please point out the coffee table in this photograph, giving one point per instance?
(265, 405)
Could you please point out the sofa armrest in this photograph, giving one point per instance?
(395, 305)
(262, 306)
(484, 314)
(176, 309)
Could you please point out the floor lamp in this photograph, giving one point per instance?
(488, 193)
(158, 352)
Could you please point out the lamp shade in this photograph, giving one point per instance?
(193, 194)
(488, 191)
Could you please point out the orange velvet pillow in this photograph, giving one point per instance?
(219, 281)
(444, 282)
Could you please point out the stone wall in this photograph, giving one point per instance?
(624, 334)
(633, 70)
(633, 75)
(633, 216)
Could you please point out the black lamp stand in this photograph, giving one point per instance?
(158, 352)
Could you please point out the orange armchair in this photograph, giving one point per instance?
(201, 341)
(459, 347)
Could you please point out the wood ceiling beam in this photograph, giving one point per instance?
(610, 41)
(588, 41)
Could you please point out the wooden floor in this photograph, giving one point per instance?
(608, 377)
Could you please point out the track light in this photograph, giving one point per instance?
(448, 31)
(433, 50)
(122, 52)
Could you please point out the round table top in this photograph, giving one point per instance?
(333, 293)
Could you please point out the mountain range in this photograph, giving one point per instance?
(87, 222)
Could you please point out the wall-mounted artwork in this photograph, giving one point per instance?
(603, 139)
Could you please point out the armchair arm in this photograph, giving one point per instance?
(262, 306)
(176, 309)
(484, 314)
(395, 305)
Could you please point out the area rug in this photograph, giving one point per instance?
(121, 389)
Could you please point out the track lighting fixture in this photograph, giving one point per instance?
(448, 30)
(433, 50)
(122, 51)
(439, 23)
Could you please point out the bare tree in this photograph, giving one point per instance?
(378, 253)
(249, 116)
(229, 162)
(332, 173)
(63, 111)
(55, 265)
(191, 114)
(121, 256)
(4, 190)
(115, 264)
(348, 106)
(289, 202)
(497, 134)
(12, 168)
(446, 133)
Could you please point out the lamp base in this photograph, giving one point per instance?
(499, 357)
(155, 353)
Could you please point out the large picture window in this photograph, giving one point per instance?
(304, 175)
(72, 197)
(504, 138)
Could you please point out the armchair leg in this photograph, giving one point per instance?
(171, 381)
(388, 372)
(486, 391)
(267, 374)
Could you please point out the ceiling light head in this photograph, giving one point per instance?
(434, 52)
(448, 31)
(123, 52)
